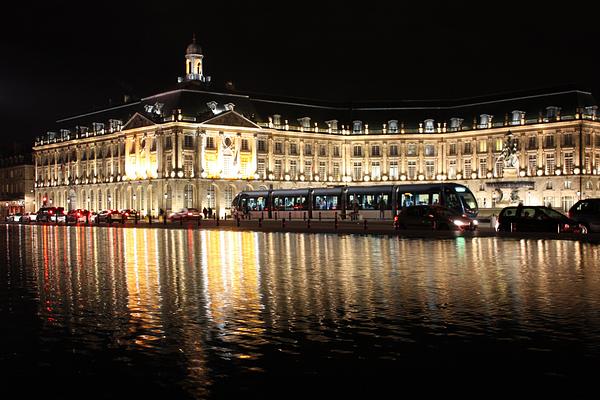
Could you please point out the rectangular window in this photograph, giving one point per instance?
(322, 170)
(499, 172)
(394, 169)
(430, 169)
(468, 170)
(411, 149)
(278, 171)
(188, 165)
(293, 169)
(278, 147)
(188, 142)
(260, 168)
(452, 149)
(568, 185)
(549, 142)
(393, 150)
(308, 173)
(429, 150)
(293, 149)
(336, 171)
(482, 167)
(308, 149)
(567, 202)
(452, 169)
(412, 170)
(498, 144)
(169, 164)
(375, 169)
(568, 140)
(357, 171)
(550, 164)
(532, 165)
(483, 146)
(568, 163)
(323, 150)
(261, 145)
(375, 150)
(357, 151)
(245, 145)
(532, 144)
(210, 143)
(467, 148)
(336, 151)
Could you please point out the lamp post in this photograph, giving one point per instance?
(134, 205)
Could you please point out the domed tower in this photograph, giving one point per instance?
(193, 62)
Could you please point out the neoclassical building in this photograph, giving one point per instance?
(196, 145)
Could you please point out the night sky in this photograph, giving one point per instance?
(63, 58)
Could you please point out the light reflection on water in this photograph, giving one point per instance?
(211, 312)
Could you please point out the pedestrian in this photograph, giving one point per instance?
(381, 208)
(205, 212)
(355, 210)
(210, 212)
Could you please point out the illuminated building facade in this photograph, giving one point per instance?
(197, 146)
(16, 184)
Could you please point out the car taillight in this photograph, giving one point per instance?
(50, 212)
(189, 213)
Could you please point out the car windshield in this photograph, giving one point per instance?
(468, 200)
(551, 213)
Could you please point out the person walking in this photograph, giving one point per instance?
(205, 212)
(355, 210)
(381, 208)
(161, 213)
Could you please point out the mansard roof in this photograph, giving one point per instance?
(199, 102)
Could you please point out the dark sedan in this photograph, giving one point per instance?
(536, 219)
(433, 217)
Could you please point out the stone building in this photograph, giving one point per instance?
(197, 145)
(16, 185)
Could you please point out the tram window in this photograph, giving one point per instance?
(256, 204)
(423, 198)
(408, 199)
(452, 201)
(290, 203)
(326, 202)
(435, 198)
(367, 201)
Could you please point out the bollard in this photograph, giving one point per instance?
(87, 219)
(262, 215)
(217, 219)
(180, 220)
(149, 219)
(290, 216)
(283, 222)
(335, 224)
(304, 216)
(165, 219)
(320, 216)
(199, 218)
(308, 224)
(260, 222)
(238, 221)
(135, 219)
(275, 215)
(365, 223)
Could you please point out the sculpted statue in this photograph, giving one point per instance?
(509, 152)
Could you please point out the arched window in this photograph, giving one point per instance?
(228, 196)
(211, 195)
(188, 196)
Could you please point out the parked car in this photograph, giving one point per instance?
(129, 214)
(108, 216)
(587, 212)
(78, 215)
(16, 217)
(536, 219)
(28, 217)
(58, 215)
(48, 214)
(434, 217)
(185, 213)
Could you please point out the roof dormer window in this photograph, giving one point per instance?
(455, 124)
(517, 117)
(333, 125)
(212, 106)
(393, 126)
(357, 126)
(552, 113)
(485, 121)
(304, 122)
(429, 126)
(276, 120)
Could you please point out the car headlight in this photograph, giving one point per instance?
(475, 222)
(458, 222)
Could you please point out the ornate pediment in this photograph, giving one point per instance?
(231, 118)
(138, 121)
